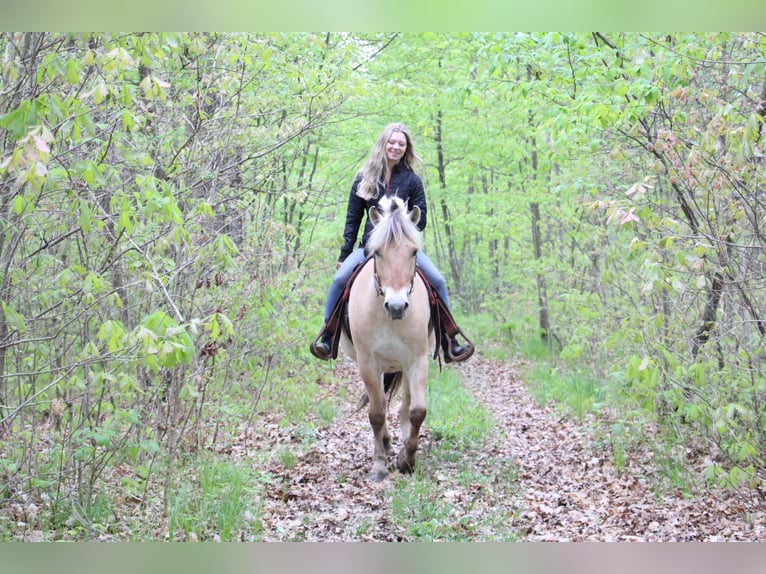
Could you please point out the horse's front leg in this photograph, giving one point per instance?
(373, 382)
(411, 415)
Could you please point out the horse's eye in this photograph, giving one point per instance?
(414, 252)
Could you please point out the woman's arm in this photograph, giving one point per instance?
(418, 197)
(354, 215)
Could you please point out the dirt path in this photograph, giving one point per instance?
(563, 489)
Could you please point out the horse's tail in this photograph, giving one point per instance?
(391, 384)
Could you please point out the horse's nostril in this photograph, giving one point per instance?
(396, 309)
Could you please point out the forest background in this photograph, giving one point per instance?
(172, 209)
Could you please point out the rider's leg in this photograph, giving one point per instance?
(437, 281)
(340, 279)
(337, 286)
(435, 278)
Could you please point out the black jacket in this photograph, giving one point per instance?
(404, 184)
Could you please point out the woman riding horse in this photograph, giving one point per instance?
(388, 172)
(390, 329)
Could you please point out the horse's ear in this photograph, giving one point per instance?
(415, 215)
(374, 215)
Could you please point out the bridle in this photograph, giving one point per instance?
(379, 286)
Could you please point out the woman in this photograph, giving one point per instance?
(389, 170)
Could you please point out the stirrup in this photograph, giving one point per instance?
(463, 355)
(321, 347)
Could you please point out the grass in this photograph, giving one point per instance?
(443, 500)
(214, 501)
(287, 458)
(454, 415)
(578, 393)
(494, 339)
(417, 504)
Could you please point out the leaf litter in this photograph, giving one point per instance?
(540, 476)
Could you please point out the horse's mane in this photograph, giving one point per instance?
(394, 227)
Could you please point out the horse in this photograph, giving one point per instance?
(390, 330)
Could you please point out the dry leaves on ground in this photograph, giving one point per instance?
(564, 489)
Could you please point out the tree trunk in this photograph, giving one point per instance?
(546, 333)
(451, 251)
(708, 315)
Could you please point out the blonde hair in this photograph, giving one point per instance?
(375, 169)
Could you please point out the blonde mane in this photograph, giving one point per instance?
(394, 226)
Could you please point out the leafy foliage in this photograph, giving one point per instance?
(172, 206)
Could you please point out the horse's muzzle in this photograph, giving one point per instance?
(396, 309)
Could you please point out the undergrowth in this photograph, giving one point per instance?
(214, 500)
(621, 415)
(429, 504)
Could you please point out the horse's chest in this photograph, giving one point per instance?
(392, 355)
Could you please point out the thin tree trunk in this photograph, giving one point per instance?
(451, 251)
(546, 333)
(708, 315)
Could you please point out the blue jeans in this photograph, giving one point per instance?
(357, 256)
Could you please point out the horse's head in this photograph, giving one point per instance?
(394, 241)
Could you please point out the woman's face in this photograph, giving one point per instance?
(396, 146)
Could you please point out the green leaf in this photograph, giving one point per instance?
(13, 318)
(17, 121)
(169, 342)
(20, 204)
(85, 219)
(72, 73)
(128, 123)
(100, 93)
(112, 332)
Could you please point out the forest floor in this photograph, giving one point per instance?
(543, 478)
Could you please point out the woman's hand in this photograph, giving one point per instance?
(338, 264)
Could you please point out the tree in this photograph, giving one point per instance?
(146, 183)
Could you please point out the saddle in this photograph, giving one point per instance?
(442, 322)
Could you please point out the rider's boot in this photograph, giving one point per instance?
(322, 349)
(454, 351)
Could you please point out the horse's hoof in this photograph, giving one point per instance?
(378, 476)
(378, 472)
(404, 465)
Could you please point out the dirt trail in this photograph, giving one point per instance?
(563, 488)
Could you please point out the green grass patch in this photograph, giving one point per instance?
(214, 501)
(490, 337)
(577, 393)
(507, 336)
(306, 401)
(417, 504)
(618, 429)
(454, 415)
(448, 499)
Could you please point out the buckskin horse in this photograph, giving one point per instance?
(389, 322)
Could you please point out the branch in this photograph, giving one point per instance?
(599, 36)
(378, 51)
(571, 68)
